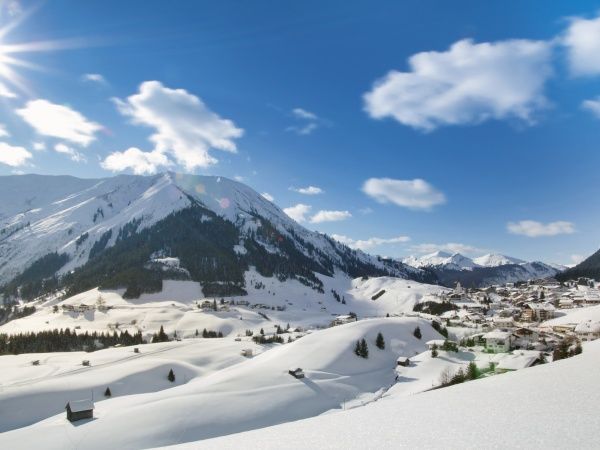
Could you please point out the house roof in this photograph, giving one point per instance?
(588, 327)
(517, 361)
(81, 405)
(497, 335)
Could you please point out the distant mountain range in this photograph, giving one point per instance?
(484, 270)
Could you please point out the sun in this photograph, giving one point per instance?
(10, 52)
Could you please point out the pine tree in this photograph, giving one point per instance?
(364, 348)
(171, 376)
(380, 342)
(204, 333)
(107, 392)
(472, 371)
(215, 304)
(197, 332)
(459, 377)
(357, 348)
(262, 331)
(434, 351)
(417, 333)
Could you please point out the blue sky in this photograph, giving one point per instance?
(469, 126)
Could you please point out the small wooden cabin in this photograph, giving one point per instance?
(80, 409)
(296, 373)
(85, 362)
(403, 361)
(247, 352)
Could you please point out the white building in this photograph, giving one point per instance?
(498, 341)
(588, 331)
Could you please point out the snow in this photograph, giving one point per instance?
(176, 306)
(81, 405)
(575, 316)
(547, 406)
(255, 393)
(495, 260)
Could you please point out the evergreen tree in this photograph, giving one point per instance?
(262, 331)
(204, 333)
(197, 334)
(472, 371)
(171, 376)
(364, 348)
(107, 392)
(417, 333)
(459, 377)
(380, 342)
(357, 348)
(434, 351)
(215, 304)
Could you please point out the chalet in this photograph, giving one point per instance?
(341, 320)
(498, 341)
(592, 297)
(296, 373)
(537, 312)
(564, 328)
(525, 337)
(243, 303)
(403, 361)
(80, 409)
(207, 305)
(588, 331)
(504, 322)
(85, 362)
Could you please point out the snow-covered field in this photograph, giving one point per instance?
(221, 396)
(545, 407)
(176, 307)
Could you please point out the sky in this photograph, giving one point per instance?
(400, 127)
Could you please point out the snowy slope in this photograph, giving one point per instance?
(41, 214)
(549, 406)
(255, 393)
(443, 260)
(495, 260)
(175, 308)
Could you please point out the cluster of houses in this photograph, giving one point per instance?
(513, 316)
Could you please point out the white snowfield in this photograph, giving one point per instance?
(552, 406)
(176, 307)
(221, 396)
(575, 316)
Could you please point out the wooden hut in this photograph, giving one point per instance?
(80, 409)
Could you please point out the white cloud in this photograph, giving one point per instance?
(576, 259)
(450, 247)
(268, 196)
(94, 78)
(239, 178)
(309, 190)
(531, 228)
(310, 122)
(70, 152)
(136, 160)
(330, 216)
(5, 92)
(582, 40)
(13, 156)
(39, 146)
(185, 128)
(469, 83)
(3, 131)
(413, 194)
(304, 114)
(370, 243)
(298, 212)
(59, 121)
(593, 106)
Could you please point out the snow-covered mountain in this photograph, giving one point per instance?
(495, 260)
(441, 259)
(119, 231)
(484, 270)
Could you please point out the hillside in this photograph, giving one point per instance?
(524, 409)
(253, 393)
(133, 232)
(589, 268)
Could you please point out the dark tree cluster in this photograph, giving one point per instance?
(434, 308)
(361, 348)
(262, 339)
(64, 341)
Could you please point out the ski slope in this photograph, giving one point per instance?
(545, 407)
(254, 393)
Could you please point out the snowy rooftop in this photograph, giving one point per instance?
(81, 405)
